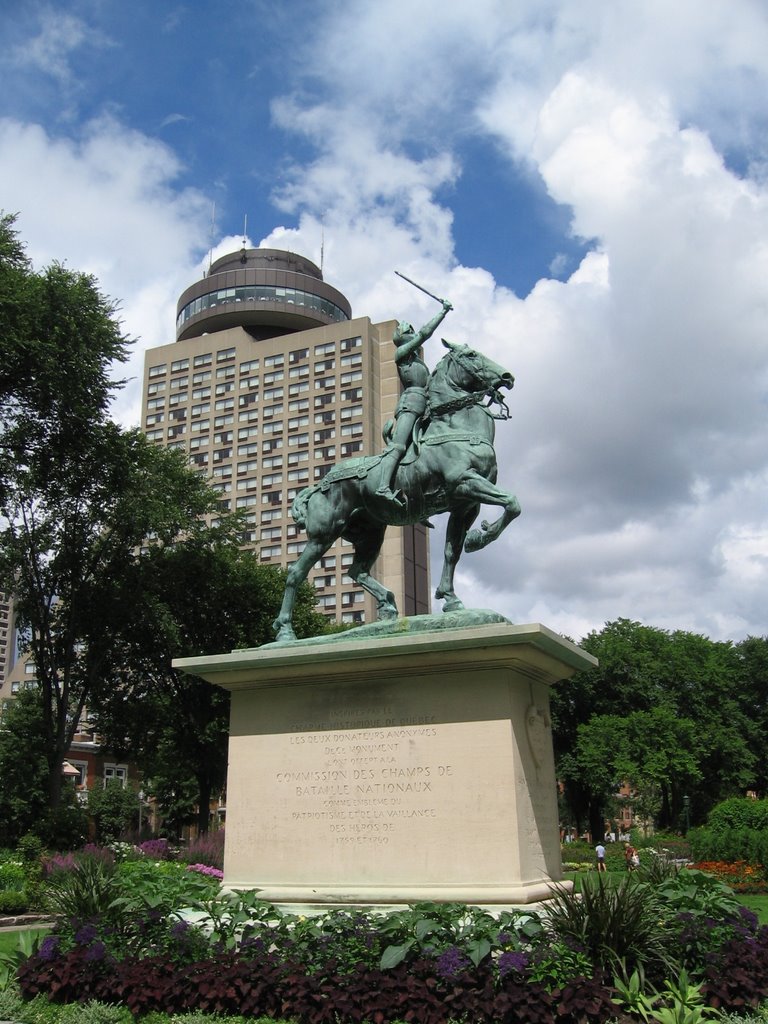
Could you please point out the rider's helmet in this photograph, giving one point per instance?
(401, 330)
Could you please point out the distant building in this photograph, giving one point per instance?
(269, 383)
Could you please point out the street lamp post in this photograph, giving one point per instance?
(687, 813)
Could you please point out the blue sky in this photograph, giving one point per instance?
(587, 183)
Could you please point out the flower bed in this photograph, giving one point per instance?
(430, 964)
(739, 875)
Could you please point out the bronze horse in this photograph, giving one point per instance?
(451, 469)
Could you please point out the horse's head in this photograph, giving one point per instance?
(478, 372)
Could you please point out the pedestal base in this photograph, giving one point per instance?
(395, 770)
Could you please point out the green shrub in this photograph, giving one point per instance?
(737, 829)
(163, 887)
(11, 1003)
(82, 892)
(613, 922)
(12, 874)
(30, 848)
(696, 892)
(13, 901)
(113, 809)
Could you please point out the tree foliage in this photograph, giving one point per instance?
(667, 711)
(78, 495)
(203, 596)
(24, 798)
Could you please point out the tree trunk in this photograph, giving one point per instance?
(203, 803)
(596, 821)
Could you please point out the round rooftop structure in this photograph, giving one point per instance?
(269, 292)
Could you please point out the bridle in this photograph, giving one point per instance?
(468, 398)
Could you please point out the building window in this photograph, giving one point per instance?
(204, 359)
(157, 371)
(116, 771)
(179, 364)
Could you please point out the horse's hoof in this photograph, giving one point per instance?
(387, 613)
(285, 633)
(453, 604)
(475, 540)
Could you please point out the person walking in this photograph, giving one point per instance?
(600, 854)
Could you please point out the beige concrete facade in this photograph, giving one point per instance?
(406, 768)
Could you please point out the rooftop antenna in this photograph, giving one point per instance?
(210, 240)
(243, 253)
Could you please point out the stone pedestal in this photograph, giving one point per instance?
(397, 769)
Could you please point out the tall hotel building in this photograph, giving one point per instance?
(269, 383)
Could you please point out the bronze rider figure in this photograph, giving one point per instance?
(414, 375)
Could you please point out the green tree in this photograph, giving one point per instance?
(24, 806)
(114, 809)
(656, 752)
(643, 668)
(78, 495)
(203, 596)
(753, 687)
(23, 767)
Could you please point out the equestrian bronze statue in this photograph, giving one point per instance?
(450, 466)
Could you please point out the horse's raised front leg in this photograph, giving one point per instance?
(458, 524)
(478, 489)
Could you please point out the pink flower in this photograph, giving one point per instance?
(204, 869)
